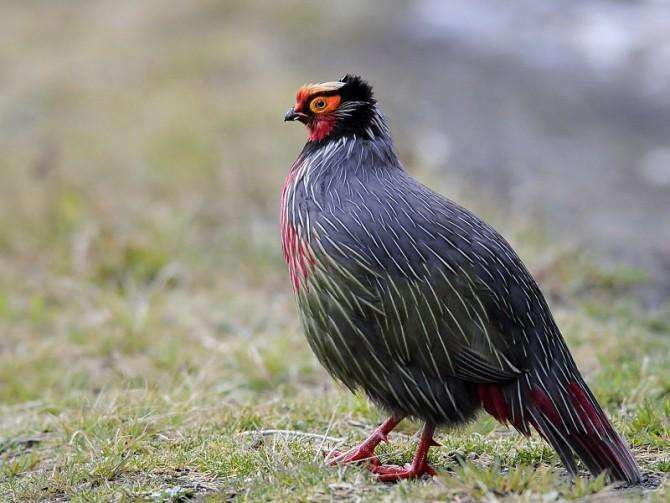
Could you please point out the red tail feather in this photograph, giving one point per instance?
(572, 422)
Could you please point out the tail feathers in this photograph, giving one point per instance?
(568, 418)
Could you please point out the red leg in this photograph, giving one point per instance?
(419, 466)
(366, 451)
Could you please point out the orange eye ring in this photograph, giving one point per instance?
(322, 104)
(318, 105)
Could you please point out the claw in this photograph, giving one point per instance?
(395, 473)
(358, 456)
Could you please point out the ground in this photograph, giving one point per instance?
(150, 344)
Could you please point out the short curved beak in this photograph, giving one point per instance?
(291, 115)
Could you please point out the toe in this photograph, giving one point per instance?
(394, 473)
(428, 470)
(332, 457)
(358, 456)
(390, 473)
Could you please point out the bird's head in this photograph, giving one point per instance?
(334, 109)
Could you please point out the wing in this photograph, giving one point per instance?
(445, 291)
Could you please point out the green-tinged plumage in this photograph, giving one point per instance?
(412, 299)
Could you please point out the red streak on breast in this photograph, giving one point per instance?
(297, 254)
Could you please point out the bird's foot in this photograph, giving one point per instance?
(419, 466)
(389, 473)
(361, 454)
(395, 473)
(365, 451)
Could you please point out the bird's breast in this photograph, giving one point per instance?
(295, 247)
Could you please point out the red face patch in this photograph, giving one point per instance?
(303, 94)
(313, 100)
(321, 127)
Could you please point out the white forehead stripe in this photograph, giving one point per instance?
(331, 86)
(328, 86)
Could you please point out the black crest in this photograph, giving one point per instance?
(357, 89)
(357, 111)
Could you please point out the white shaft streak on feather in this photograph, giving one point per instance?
(401, 320)
(391, 256)
(417, 388)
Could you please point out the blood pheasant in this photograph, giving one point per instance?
(414, 300)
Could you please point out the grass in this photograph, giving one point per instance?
(150, 344)
(168, 397)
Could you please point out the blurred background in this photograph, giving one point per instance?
(143, 150)
(134, 132)
(144, 303)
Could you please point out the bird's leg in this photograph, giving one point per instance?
(366, 451)
(419, 465)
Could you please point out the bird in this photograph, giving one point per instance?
(415, 301)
